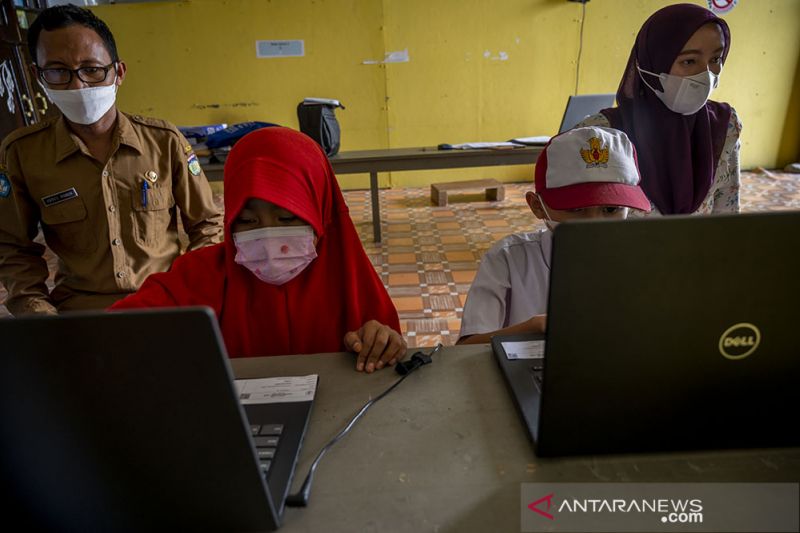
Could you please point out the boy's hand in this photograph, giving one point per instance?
(538, 323)
(376, 344)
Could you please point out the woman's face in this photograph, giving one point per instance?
(258, 213)
(703, 51)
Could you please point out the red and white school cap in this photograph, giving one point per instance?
(587, 167)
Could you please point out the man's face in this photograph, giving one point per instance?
(76, 47)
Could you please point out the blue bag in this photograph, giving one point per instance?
(231, 134)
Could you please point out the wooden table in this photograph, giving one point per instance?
(425, 158)
(446, 450)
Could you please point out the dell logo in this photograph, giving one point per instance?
(739, 341)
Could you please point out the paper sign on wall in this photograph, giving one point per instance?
(399, 56)
(280, 48)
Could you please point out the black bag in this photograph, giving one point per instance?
(318, 121)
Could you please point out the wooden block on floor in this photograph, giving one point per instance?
(494, 190)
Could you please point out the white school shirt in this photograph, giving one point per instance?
(511, 284)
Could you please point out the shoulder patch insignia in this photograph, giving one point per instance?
(5, 186)
(194, 165)
(595, 156)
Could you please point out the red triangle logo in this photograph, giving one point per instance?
(534, 506)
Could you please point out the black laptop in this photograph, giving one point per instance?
(668, 333)
(132, 421)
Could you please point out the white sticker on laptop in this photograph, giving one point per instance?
(524, 350)
(277, 390)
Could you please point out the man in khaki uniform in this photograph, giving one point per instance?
(106, 187)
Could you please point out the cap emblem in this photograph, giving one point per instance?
(595, 156)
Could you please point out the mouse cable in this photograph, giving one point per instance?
(300, 499)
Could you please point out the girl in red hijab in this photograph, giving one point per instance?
(291, 276)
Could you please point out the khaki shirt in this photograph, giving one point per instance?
(107, 236)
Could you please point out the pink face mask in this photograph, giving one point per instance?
(275, 255)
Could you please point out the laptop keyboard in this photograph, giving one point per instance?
(266, 437)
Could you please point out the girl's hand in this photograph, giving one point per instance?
(376, 344)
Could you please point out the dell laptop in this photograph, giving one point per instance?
(132, 421)
(664, 333)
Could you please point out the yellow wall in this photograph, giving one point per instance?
(194, 62)
(789, 151)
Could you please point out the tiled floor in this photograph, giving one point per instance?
(430, 254)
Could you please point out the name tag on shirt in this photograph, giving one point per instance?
(59, 197)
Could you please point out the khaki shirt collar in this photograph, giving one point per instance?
(67, 143)
(127, 133)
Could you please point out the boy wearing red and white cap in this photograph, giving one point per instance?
(584, 173)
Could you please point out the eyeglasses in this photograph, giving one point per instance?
(63, 76)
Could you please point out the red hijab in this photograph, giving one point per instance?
(678, 154)
(338, 292)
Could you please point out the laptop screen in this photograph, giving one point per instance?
(581, 106)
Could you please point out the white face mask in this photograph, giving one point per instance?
(549, 222)
(84, 106)
(684, 95)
